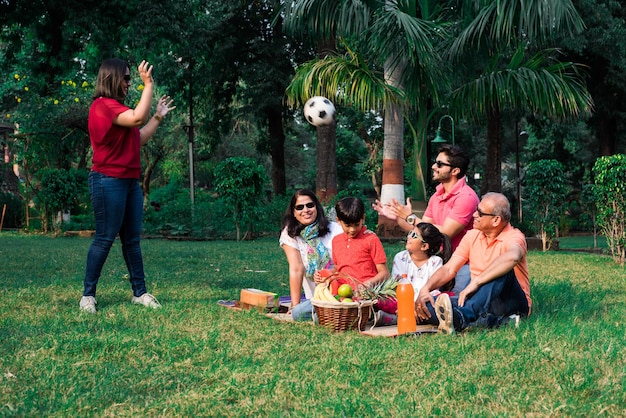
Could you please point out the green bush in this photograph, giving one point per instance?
(240, 183)
(610, 193)
(546, 191)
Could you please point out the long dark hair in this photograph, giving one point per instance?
(110, 82)
(438, 243)
(291, 223)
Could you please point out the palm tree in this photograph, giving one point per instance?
(387, 63)
(498, 42)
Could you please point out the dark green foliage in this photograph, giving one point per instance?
(546, 193)
(610, 193)
(14, 211)
(60, 190)
(240, 183)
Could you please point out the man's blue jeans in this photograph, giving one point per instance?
(499, 298)
(118, 208)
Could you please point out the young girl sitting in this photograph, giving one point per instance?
(427, 249)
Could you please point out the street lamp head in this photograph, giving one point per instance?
(439, 139)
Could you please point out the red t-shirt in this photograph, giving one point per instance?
(116, 149)
(358, 256)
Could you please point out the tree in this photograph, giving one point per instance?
(502, 52)
(546, 193)
(610, 172)
(386, 63)
(239, 182)
(602, 48)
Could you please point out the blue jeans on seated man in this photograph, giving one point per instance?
(461, 280)
(489, 305)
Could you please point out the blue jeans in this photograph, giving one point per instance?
(118, 209)
(498, 299)
(303, 311)
(461, 280)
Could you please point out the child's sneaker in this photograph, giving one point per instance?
(382, 318)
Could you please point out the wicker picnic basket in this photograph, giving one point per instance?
(343, 316)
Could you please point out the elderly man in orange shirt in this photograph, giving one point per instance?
(499, 286)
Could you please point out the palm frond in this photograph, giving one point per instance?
(539, 85)
(345, 79)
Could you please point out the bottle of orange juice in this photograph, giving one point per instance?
(406, 306)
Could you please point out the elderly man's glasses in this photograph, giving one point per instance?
(481, 213)
(414, 235)
(440, 164)
(309, 205)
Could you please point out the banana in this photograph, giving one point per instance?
(328, 295)
(317, 293)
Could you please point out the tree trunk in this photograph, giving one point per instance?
(147, 177)
(393, 158)
(326, 177)
(393, 169)
(277, 150)
(607, 135)
(492, 181)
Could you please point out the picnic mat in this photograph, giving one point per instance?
(282, 315)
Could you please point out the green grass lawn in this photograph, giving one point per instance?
(195, 358)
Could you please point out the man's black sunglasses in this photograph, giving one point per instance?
(440, 164)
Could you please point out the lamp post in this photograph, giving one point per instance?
(518, 180)
(439, 139)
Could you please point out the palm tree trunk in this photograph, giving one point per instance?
(326, 177)
(393, 158)
(493, 166)
(277, 150)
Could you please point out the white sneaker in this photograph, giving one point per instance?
(88, 304)
(147, 300)
(445, 315)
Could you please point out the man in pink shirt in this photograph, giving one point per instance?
(499, 286)
(450, 209)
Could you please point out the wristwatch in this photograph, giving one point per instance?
(411, 219)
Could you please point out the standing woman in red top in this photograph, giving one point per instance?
(116, 139)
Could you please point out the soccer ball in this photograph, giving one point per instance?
(319, 111)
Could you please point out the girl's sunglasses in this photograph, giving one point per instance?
(414, 235)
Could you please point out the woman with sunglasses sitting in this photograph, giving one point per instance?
(306, 238)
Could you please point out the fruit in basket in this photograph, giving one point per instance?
(347, 300)
(380, 290)
(345, 291)
(322, 293)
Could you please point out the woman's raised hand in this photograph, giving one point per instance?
(145, 72)
(164, 105)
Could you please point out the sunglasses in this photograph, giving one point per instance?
(481, 213)
(309, 205)
(440, 164)
(127, 77)
(414, 235)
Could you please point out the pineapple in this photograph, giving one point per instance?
(382, 290)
